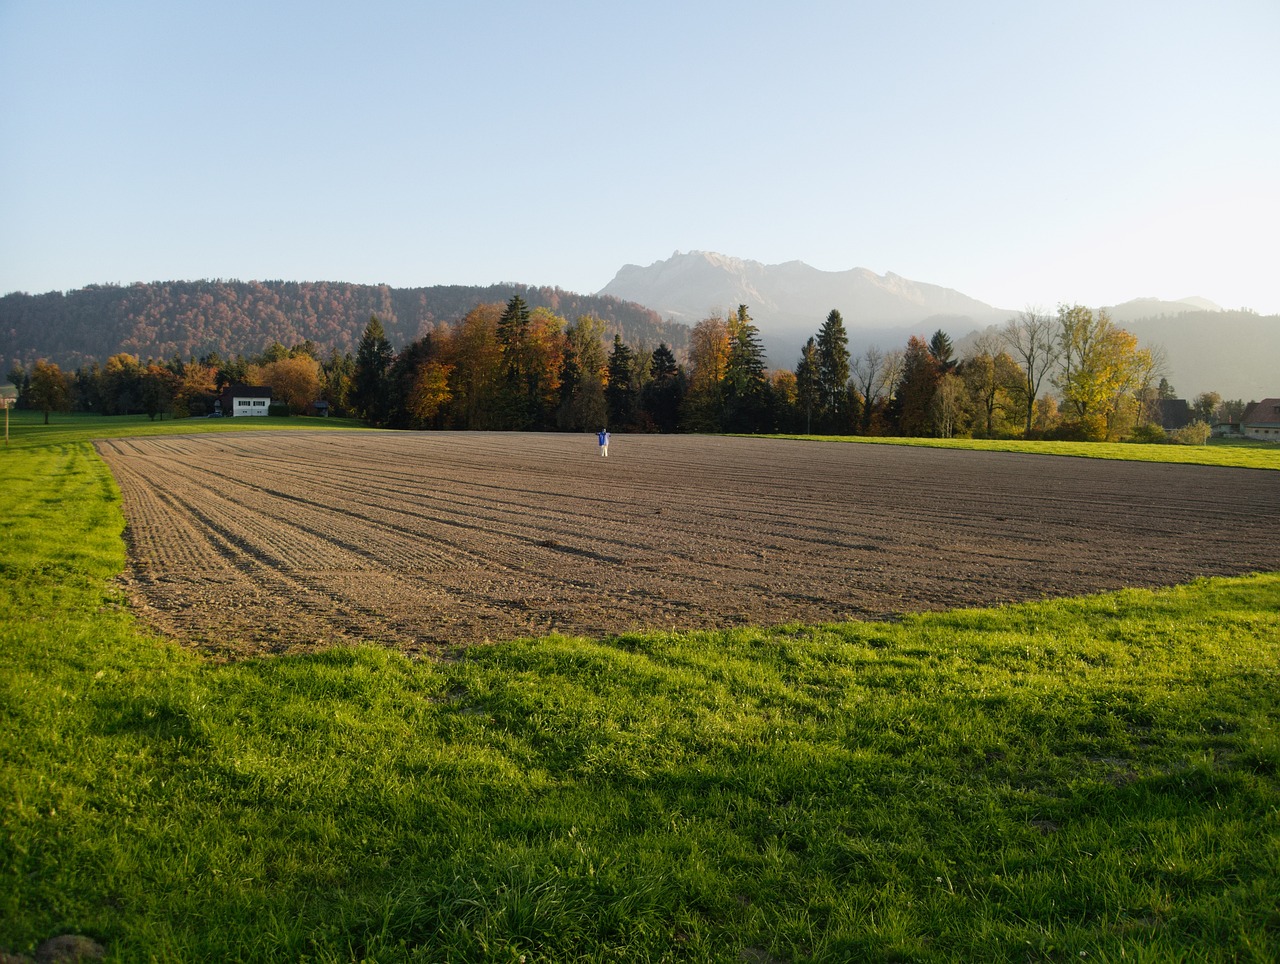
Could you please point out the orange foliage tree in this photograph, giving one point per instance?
(477, 374)
(430, 393)
(294, 381)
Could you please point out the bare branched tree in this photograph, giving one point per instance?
(1032, 341)
(1153, 365)
(874, 374)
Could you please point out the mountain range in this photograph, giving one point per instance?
(1235, 353)
(790, 296)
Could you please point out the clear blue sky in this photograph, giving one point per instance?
(1023, 152)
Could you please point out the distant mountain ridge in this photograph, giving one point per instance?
(1235, 353)
(1155, 308)
(792, 296)
(790, 301)
(190, 319)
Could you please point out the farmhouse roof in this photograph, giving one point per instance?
(1175, 413)
(1265, 412)
(248, 391)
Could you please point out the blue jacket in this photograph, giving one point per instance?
(603, 436)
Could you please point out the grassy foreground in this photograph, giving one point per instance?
(27, 428)
(1086, 779)
(1240, 453)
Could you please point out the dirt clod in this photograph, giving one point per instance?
(69, 949)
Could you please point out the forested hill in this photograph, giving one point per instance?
(193, 318)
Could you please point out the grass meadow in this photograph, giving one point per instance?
(1091, 779)
(1238, 453)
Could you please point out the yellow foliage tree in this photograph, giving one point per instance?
(50, 390)
(294, 381)
(430, 391)
(477, 374)
(1101, 366)
(198, 383)
(709, 346)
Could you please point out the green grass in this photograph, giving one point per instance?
(28, 429)
(1085, 779)
(1240, 453)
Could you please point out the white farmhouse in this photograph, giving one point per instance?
(243, 400)
(1261, 420)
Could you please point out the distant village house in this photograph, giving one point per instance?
(1175, 413)
(238, 400)
(1261, 420)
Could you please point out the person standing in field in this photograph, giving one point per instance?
(603, 436)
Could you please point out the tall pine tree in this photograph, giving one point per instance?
(941, 350)
(833, 374)
(369, 383)
(515, 408)
(661, 396)
(746, 388)
(620, 393)
(808, 382)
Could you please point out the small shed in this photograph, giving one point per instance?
(1261, 420)
(237, 400)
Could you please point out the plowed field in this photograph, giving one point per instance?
(275, 542)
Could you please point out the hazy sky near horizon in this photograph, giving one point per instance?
(1024, 153)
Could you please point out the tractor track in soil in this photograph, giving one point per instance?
(271, 542)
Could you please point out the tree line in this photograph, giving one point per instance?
(1073, 375)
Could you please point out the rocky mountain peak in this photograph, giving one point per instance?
(791, 296)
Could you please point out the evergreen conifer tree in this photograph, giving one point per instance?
(808, 382)
(661, 396)
(942, 351)
(515, 409)
(621, 392)
(833, 372)
(745, 386)
(369, 387)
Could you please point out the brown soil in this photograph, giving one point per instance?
(277, 542)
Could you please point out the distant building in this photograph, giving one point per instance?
(1175, 413)
(238, 400)
(1261, 420)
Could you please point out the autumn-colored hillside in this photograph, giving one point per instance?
(193, 318)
